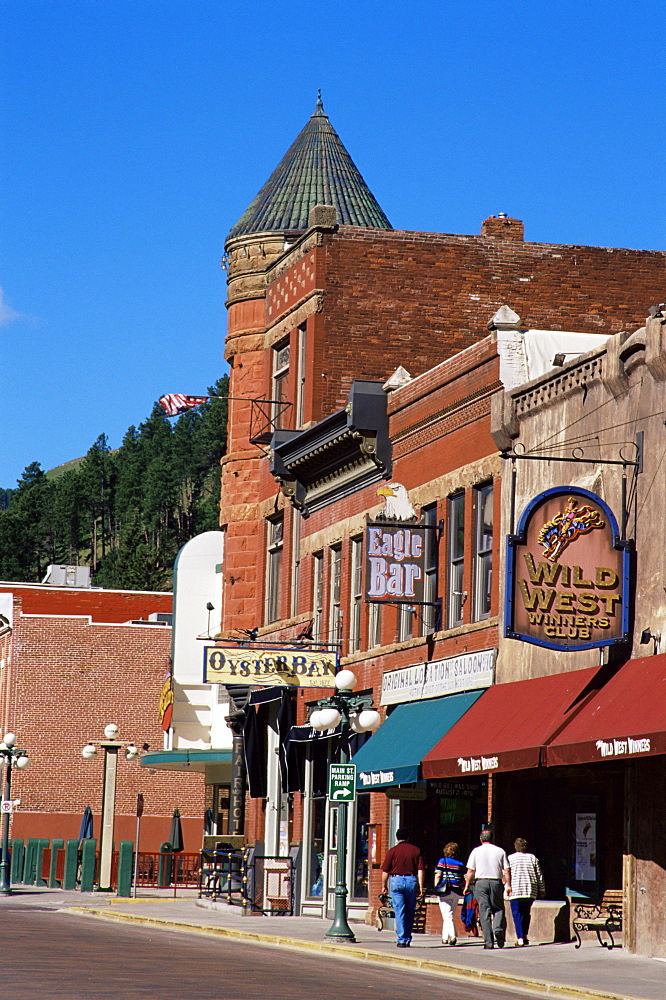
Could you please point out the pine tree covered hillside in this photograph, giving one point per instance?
(125, 513)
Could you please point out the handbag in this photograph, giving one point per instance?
(449, 882)
(444, 886)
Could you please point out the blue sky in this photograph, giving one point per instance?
(136, 132)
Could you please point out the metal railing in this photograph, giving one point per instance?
(161, 871)
(255, 882)
(258, 883)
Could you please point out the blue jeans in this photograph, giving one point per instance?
(404, 890)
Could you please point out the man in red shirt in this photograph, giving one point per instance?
(403, 876)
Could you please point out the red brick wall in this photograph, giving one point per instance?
(100, 605)
(67, 680)
(416, 298)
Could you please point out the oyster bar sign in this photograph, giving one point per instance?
(567, 573)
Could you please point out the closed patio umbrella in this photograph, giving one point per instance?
(86, 828)
(176, 834)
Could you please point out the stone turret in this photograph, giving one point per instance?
(315, 172)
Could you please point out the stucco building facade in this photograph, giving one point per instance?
(597, 425)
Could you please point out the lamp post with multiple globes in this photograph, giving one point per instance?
(355, 712)
(12, 757)
(111, 745)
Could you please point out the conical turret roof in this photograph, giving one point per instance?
(315, 170)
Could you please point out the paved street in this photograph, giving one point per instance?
(55, 955)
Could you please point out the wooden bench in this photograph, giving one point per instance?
(604, 916)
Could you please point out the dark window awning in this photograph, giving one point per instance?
(343, 453)
(184, 760)
(393, 755)
(626, 719)
(508, 727)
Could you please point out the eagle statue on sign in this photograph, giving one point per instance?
(397, 505)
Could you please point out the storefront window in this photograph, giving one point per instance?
(360, 876)
(446, 811)
(218, 817)
(320, 755)
(316, 848)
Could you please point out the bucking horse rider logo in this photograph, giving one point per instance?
(566, 526)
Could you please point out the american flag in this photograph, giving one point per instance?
(176, 403)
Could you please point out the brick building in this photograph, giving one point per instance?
(73, 660)
(372, 356)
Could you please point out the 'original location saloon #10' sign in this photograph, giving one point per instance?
(567, 573)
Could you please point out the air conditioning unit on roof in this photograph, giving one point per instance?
(67, 576)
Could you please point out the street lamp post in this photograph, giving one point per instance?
(111, 746)
(12, 757)
(355, 712)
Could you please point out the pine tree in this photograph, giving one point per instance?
(126, 513)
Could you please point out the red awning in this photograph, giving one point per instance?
(509, 724)
(625, 719)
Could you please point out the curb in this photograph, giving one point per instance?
(544, 987)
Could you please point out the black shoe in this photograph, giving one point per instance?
(402, 944)
(499, 941)
(489, 947)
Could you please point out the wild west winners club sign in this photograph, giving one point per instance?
(567, 573)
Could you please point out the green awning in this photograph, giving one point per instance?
(392, 755)
(184, 760)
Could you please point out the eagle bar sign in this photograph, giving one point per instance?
(567, 573)
(395, 562)
(290, 667)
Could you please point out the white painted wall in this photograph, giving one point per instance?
(199, 709)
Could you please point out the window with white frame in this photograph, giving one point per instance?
(356, 595)
(275, 529)
(300, 376)
(334, 609)
(483, 550)
(295, 562)
(456, 538)
(429, 611)
(279, 393)
(317, 595)
(374, 625)
(405, 622)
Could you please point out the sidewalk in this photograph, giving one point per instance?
(591, 973)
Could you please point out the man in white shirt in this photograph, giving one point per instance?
(488, 868)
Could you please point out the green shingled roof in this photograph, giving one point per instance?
(315, 170)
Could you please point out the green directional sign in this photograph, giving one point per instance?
(342, 782)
